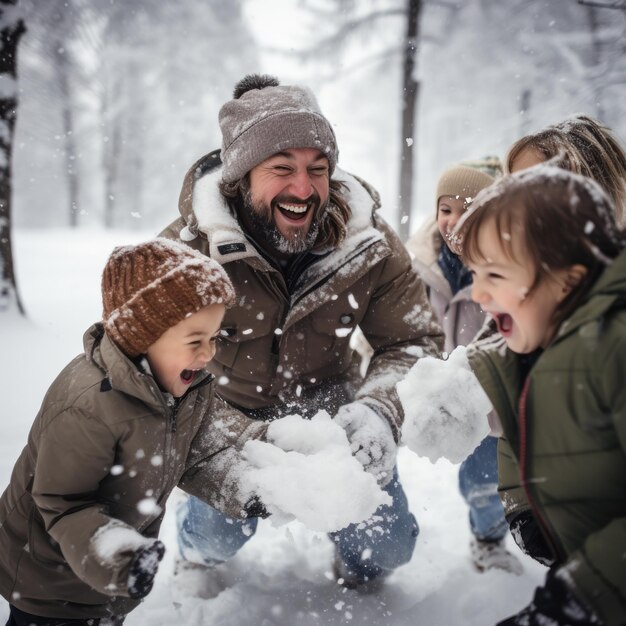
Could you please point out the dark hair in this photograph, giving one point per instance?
(333, 222)
(562, 219)
(584, 146)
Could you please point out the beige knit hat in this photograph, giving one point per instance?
(264, 118)
(150, 287)
(463, 182)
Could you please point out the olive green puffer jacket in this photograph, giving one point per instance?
(564, 450)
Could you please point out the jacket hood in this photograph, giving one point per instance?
(608, 290)
(424, 246)
(425, 243)
(205, 210)
(122, 373)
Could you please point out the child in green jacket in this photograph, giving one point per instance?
(549, 266)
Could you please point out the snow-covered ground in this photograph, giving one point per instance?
(282, 576)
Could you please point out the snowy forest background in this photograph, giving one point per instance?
(117, 98)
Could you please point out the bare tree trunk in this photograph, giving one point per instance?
(11, 29)
(410, 95)
(524, 111)
(111, 148)
(596, 58)
(63, 72)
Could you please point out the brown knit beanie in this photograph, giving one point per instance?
(264, 118)
(150, 287)
(463, 182)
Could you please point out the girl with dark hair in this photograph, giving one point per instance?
(549, 267)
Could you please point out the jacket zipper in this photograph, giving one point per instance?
(523, 454)
(322, 280)
(173, 424)
(172, 418)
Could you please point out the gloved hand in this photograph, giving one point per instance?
(371, 439)
(255, 508)
(529, 538)
(143, 569)
(553, 604)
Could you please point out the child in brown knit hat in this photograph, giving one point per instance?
(121, 426)
(154, 293)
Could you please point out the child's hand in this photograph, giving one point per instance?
(143, 569)
(529, 538)
(255, 508)
(553, 604)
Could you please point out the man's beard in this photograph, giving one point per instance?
(260, 219)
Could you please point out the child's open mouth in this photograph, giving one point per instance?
(187, 376)
(504, 323)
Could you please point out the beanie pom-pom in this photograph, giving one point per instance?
(254, 81)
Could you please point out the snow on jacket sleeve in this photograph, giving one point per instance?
(75, 452)
(400, 327)
(215, 460)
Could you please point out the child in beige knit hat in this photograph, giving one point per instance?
(449, 288)
(121, 426)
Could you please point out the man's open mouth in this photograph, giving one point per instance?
(294, 212)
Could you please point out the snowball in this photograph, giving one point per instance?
(306, 471)
(116, 470)
(148, 506)
(114, 538)
(445, 408)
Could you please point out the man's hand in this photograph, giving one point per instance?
(143, 569)
(553, 604)
(371, 439)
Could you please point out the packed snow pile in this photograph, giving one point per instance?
(306, 471)
(445, 408)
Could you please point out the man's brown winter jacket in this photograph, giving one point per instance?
(282, 342)
(107, 448)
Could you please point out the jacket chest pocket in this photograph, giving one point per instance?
(247, 342)
(331, 331)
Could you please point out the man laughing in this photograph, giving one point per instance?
(310, 260)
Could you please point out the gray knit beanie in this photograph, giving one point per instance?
(264, 118)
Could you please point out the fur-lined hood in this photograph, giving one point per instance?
(206, 212)
(282, 337)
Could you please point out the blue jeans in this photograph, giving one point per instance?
(368, 549)
(478, 482)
